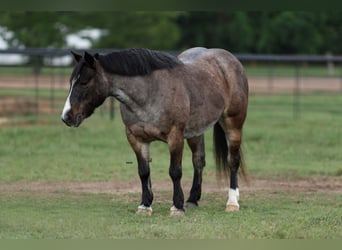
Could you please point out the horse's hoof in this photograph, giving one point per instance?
(178, 213)
(190, 205)
(232, 208)
(175, 212)
(142, 210)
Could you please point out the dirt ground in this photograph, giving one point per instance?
(289, 85)
(325, 184)
(256, 84)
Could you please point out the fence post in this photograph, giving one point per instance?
(296, 93)
(36, 69)
(330, 64)
(270, 77)
(341, 80)
(52, 93)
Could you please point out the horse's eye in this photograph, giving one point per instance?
(83, 82)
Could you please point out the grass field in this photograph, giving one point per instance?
(272, 216)
(276, 146)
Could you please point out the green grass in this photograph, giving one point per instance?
(276, 145)
(31, 92)
(89, 216)
(28, 70)
(56, 152)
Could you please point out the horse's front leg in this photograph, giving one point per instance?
(142, 152)
(176, 145)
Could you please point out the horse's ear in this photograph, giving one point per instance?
(76, 56)
(89, 59)
(97, 56)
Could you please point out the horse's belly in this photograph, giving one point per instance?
(193, 130)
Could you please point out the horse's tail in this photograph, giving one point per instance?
(221, 156)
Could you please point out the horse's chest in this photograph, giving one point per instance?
(143, 124)
(147, 132)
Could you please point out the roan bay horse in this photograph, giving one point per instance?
(168, 98)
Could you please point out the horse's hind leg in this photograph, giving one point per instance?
(233, 133)
(196, 145)
(234, 161)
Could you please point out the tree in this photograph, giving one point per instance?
(229, 30)
(33, 29)
(330, 26)
(284, 32)
(294, 32)
(202, 29)
(154, 30)
(240, 32)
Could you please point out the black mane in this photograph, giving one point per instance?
(137, 61)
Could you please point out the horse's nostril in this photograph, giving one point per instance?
(78, 120)
(67, 119)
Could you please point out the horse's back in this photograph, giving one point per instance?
(197, 54)
(217, 62)
(189, 55)
(224, 69)
(213, 79)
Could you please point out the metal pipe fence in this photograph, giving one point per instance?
(35, 82)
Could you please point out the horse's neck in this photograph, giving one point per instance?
(131, 91)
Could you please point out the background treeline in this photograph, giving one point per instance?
(280, 32)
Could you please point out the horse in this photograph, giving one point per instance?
(170, 99)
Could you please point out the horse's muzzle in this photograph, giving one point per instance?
(69, 121)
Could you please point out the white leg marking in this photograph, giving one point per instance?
(176, 212)
(233, 197)
(142, 209)
(173, 208)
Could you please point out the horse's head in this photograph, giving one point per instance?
(87, 90)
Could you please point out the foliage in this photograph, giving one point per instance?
(140, 29)
(156, 30)
(239, 31)
(211, 29)
(294, 32)
(284, 32)
(32, 29)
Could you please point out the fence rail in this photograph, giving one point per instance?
(35, 81)
(243, 57)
